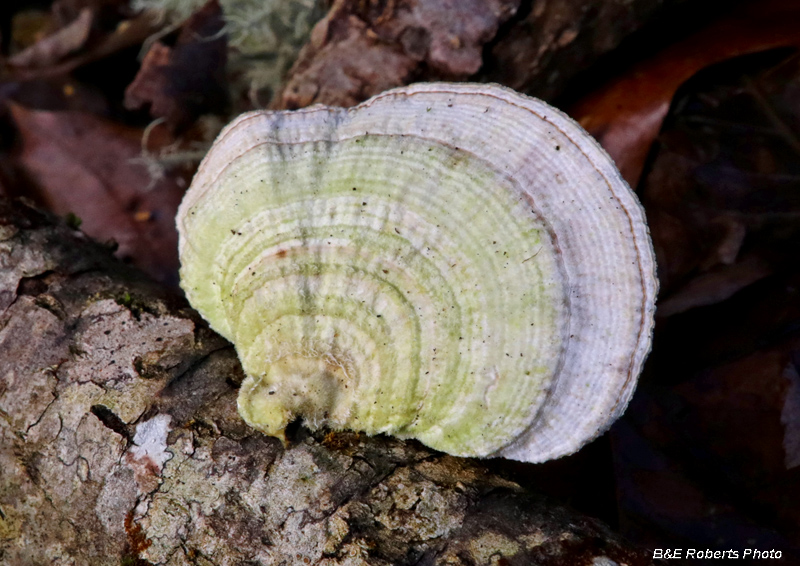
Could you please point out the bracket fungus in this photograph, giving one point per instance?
(455, 263)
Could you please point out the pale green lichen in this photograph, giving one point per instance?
(265, 36)
(491, 548)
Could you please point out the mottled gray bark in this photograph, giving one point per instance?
(120, 444)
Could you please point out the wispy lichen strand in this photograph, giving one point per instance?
(265, 35)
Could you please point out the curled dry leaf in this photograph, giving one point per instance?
(55, 93)
(708, 452)
(720, 193)
(626, 114)
(91, 167)
(53, 48)
(185, 80)
(128, 33)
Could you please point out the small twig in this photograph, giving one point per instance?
(534, 255)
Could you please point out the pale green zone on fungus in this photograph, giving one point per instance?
(265, 35)
(454, 263)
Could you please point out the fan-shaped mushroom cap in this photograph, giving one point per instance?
(455, 263)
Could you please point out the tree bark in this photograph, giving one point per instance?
(120, 444)
(552, 41)
(363, 47)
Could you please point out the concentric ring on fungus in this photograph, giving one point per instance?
(455, 263)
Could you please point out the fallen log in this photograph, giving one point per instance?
(120, 443)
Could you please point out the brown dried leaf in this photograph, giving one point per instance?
(54, 47)
(707, 450)
(23, 28)
(626, 114)
(55, 93)
(93, 168)
(715, 285)
(67, 10)
(182, 82)
(541, 52)
(127, 34)
(722, 190)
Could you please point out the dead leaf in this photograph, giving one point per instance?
(128, 33)
(722, 190)
(716, 285)
(92, 168)
(67, 10)
(626, 114)
(55, 93)
(54, 47)
(24, 27)
(186, 80)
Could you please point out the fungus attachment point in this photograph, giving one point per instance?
(307, 386)
(420, 267)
